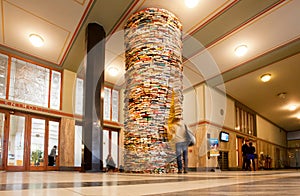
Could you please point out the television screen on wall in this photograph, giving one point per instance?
(224, 136)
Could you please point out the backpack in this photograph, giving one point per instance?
(190, 137)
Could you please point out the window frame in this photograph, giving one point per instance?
(111, 105)
(245, 120)
(51, 69)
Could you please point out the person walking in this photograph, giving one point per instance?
(251, 156)
(245, 150)
(181, 145)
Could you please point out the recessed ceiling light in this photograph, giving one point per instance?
(298, 116)
(191, 3)
(113, 71)
(292, 107)
(241, 50)
(282, 95)
(265, 77)
(36, 40)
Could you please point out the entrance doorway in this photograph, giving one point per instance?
(110, 145)
(26, 141)
(239, 153)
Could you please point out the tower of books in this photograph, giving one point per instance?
(153, 95)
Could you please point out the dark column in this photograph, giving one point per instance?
(94, 85)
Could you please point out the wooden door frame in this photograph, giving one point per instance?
(29, 166)
(56, 167)
(45, 167)
(5, 138)
(27, 141)
(110, 130)
(25, 150)
(239, 150)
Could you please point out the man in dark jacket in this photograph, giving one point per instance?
(245, 150)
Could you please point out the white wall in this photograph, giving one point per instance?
(193, 105)
(204, 103)
(269, 132)
(215, 106)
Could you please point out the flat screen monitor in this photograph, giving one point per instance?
(224, 136)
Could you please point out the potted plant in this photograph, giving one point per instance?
(36, 156)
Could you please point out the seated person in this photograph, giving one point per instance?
(110, 164)
(52, 156)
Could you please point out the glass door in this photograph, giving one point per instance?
(110, 146)
(27, 141)
(16, 144)
(52, 148)
(37, 144)
(2, 144)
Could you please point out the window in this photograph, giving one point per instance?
(111, 104)
(78, 146)
(3, 75)
(107, 99)
(30, 83)
(245, 120)
(79, 96)
(55, 90)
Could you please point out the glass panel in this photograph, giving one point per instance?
(29, 83)
(105, 146)
(79, 96)
(3, 75)
(107, 96)
(16, 141)
(115, 105)
(2, 121)
(37, 146)
(78, 144)
(53, 142)
(114, 146)
(55, 90)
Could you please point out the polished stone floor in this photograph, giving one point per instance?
(267, 182)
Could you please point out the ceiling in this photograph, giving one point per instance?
(211, 32)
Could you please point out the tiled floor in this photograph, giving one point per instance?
(276, 182)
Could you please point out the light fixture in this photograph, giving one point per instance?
(292, 107)
(241, 50)
(282, 95)
(36, 40)
(265, 77)
(113, 71)
(298, 116)
(191, 3)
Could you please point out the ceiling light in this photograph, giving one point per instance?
(282, 95)
(36, 40)
(292, 107)
(265, 77)
(113, 71)
(298, 116)
(191, 3)
(241, 50)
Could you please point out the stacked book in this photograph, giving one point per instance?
(153, 43)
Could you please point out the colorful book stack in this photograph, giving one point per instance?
(153, 43)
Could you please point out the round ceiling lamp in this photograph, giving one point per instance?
(113, 71)
(36, 40)
(191, 3)
(241, 50)
(265, 77)
(292, 107)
